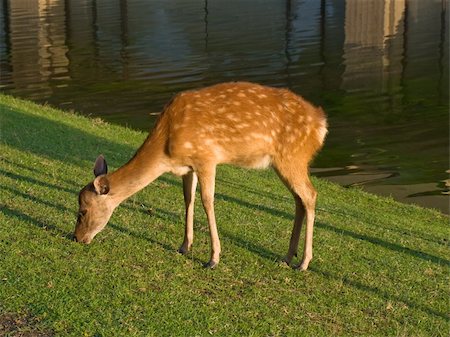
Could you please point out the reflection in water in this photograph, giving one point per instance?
(373, 44)
(38, 58)
(379, 68)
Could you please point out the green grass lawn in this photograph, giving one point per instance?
(379, 268)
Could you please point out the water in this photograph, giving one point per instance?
(380, 69)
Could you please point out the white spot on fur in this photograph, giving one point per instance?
(266, 138)
(291, 139)
(233, 118)
(188, 145)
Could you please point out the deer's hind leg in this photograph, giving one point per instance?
(296, 179)
(296, 230)
(189, 186)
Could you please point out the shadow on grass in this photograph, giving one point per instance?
(37, 172)
(141, 236)
(56, 141)
(389, 245)
(152, 211)
(379, 292)
(250, 246)
(359, 216)
(386, 244)
(281, 214)
(251, 190)
(288, 216)
(33, 181)
(28, 219)
(39, 200)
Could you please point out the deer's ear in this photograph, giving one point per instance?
(101, 185)
(100, 166)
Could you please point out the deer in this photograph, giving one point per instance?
(238, 123)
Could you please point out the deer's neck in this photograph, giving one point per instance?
(148, 163)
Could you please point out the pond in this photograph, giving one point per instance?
(379, 68)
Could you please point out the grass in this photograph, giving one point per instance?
(379, 268)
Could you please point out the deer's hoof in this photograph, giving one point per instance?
(287, 260)
(303, 266)
(183, 250)
(284, 263)
(211, 264)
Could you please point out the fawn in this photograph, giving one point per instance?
(238, 123)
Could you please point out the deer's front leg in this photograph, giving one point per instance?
(189, 187)
(207, 177)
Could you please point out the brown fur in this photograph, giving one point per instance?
(239, 123)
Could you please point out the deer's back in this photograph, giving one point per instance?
(242, 123)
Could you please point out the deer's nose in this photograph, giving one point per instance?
(86, 240)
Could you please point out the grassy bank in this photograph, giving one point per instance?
(380, 267)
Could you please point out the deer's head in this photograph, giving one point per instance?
(95, 208)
